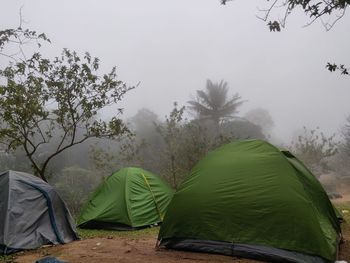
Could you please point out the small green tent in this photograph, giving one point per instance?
(131, 198)
(249, 199)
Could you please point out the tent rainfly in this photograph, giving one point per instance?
(131, 198)
(32, 214)
(249, 199)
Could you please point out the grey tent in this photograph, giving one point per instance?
(32, 214)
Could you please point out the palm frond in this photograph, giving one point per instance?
(204, 98)
(214, 103)
(199, 108)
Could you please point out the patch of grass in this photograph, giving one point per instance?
(344, 209)
(7, 259)
(136, 234)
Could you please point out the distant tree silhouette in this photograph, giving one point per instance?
(214, 103)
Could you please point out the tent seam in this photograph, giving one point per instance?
(127, 198)
(154, 199)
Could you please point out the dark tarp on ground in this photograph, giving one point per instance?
(32, 214)
(49, 260)
(250, 194)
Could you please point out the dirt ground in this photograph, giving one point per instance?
(124, 250)
(345, 198)
(121, 250)
(141, 249)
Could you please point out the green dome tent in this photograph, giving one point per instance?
(32, 214)
(249, 199)
(131, 198)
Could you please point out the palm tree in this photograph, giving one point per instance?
(214, 104)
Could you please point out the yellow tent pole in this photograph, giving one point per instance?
(154, 199)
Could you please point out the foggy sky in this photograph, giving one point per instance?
(172, 47)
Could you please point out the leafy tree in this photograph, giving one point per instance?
(103, 155)
(240, 130)
(147, 141)
(314, 149)
(55, 102)
(143, 122)
(314, 9)
(19, 37)
(340, 163)
(15, 160)
(197, 139)
(138, 148)
(108, 155)
(214, 103)
(341, 68)
(75, 184)
(260, 117)
(346, 135)
(171, 132)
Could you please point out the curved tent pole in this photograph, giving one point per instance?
(50, 210)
